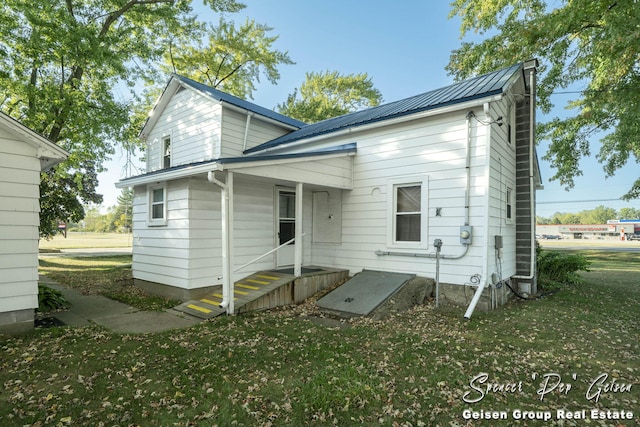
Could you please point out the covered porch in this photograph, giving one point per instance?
(295, 178)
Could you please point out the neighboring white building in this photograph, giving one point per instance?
(227, 181)
(23, 154)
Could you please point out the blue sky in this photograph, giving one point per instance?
(404, 48)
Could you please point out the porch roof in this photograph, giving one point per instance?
(307, 167)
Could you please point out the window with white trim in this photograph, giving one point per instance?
(166, 151)
(509, 205)
(407, 212)
(157, 205)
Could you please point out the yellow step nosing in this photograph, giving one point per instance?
(264, 276)
(208, 301)
(242, 285)
(235, 291)
(201, 309)
(259, 282)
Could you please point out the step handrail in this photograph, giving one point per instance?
(266, 254)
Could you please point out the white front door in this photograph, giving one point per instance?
(285, 226)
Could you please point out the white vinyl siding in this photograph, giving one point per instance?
(501, 176)
(161, 254)
(406, 154)
(192, 123)
(234, 128)
(19, 221)
(202, 129)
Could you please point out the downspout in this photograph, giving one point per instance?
(532, 122)
(226, 210)
(246, 130)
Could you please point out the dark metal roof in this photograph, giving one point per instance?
(467, 90)
(238, 102)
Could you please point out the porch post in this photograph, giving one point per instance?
(297, 260)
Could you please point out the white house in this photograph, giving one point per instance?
(23, 154)
(227, 181)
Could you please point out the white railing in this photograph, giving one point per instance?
(265, 254)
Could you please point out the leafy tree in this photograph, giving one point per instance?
(565, 218)
(330, 94)
(122, 213)
(593, 45)
(598, 215)
(629, 213)
(233, 59)
(59, 64)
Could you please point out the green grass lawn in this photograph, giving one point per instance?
(278, 368)
(77, 240)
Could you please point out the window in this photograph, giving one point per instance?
(157, 205)
(408, 213)
(509, 205)
(287, 216)
(407, 207)
(166, 152)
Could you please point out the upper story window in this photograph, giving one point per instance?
(166, 152)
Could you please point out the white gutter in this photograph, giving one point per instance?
(381, 123)
(226, 199)
(532, 121)
(219, 167)
(170, 175)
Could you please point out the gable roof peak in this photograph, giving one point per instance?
(238, 102)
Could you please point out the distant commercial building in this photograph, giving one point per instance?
(613, 230)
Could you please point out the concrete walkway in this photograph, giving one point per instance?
(116, 316)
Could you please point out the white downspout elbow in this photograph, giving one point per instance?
(475, 299)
